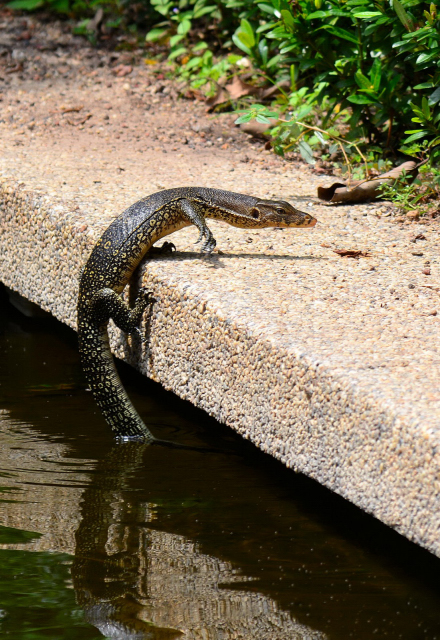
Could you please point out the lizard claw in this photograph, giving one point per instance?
(209, 244)
(200, 238)
(138, 332)
(147, 296)
(167, 247)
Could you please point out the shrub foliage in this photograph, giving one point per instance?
(380, 58)
(375, 61)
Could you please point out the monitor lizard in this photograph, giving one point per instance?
(117, 254)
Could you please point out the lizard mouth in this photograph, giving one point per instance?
(305, 221)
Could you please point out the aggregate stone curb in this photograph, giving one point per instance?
(255, 366)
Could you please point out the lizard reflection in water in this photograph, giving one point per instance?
(117, 254)
(108, 584)
(144, 568)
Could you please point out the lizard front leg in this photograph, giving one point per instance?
(195, 216)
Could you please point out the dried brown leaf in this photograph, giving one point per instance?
(220, 97)
(363, 190)
(238, 88)
(264, 94)
(72, 109)
(258, 129)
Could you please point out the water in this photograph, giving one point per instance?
(130, 541)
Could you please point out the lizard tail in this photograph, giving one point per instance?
(106, 386)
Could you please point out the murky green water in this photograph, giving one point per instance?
(129, 541)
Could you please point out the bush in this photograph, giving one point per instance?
(380, 60)
(366, 69)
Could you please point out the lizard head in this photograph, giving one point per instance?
(278, 213)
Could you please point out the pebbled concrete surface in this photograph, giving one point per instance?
(329, 364)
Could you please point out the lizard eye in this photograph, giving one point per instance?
(279, 209)
(255, 214)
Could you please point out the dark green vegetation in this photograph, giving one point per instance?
(35, 599)
(359, 80)
(140, 527)
(380, 62)
(380, 59)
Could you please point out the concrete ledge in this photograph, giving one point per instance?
(345, 393)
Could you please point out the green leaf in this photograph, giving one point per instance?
(246, 117)
(246, 28)
(184, 27)
(273, 61)
(267, 8)
(340, 33)
(435, 142)
(265, 27)
(427, 57)
(245, 39)
(318, 14)
(233, 58)
(238, 43)
(178, 52)
(367, 15)
(175, 39)
(328, 14)
(376, 74)
(263, 50)
(207, 56)
(371, 28)
(204, 10)
(290, 47)
(288, 20)
(306, 152)
(25, 5)
(359, 98)
(200, 46)
(155, 34)
(416, 136)
(292, 77)
(194, 62)
(304, 111)
(262, 119)
(435, 96)
(425, 108)
(404, 18)
(363, 81)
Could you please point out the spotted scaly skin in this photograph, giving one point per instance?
(117, 254)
